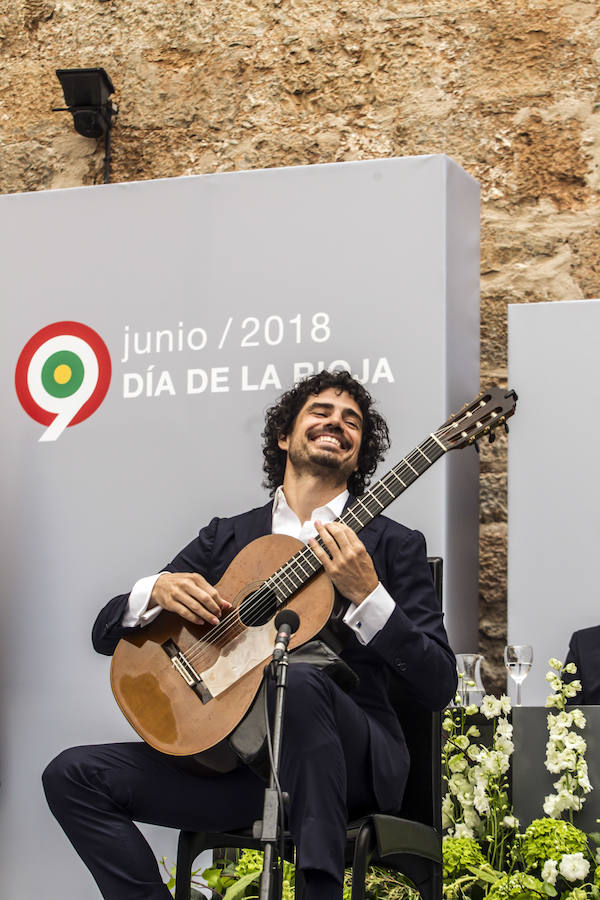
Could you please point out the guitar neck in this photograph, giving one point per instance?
(376, 499)
(288, 579)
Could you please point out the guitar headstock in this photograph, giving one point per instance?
(482, 416)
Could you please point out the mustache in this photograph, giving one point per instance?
(332, 431)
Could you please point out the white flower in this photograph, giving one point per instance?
(458, 783)
(457, 763)
(503, 744)
(465, 799)
(505, 704)
(582, 777)
(490, 707)
(566, 799)
(504, 727)
(554, 681)
(558, 761)
(573, 866)
(572, 689)
(575, 742)
(598, 855)
(447, 811)
(510, 821)
(585, 784)
(555, 664)
(471, 709)
(551, 806)
(471, 818)
(578, 718)
(553, 700)
(563, 719)
(481, 801)
(496, 763)
(479, 777)
(571, 668)
(549, 871)
(463, 830)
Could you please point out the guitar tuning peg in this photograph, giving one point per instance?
(506, 429)
(492, 437)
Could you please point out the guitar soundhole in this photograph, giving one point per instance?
(258, 607)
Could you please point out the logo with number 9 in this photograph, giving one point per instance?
(62, 376)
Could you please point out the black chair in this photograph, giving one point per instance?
(410, 842)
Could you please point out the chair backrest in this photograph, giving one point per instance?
(422, 730)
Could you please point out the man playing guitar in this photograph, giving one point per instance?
(343, 753)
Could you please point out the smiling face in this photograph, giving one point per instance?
(326, 435)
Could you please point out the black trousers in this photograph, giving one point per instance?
(97, 792)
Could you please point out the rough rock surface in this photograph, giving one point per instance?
(509, 89)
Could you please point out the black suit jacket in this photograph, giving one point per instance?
(584, 651)
(413, 643)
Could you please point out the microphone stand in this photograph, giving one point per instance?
(266, 829)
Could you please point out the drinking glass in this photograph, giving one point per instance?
(470, 685)
(517, 660)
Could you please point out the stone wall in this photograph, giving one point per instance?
(506, 88)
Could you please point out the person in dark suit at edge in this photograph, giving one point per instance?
(584, 651)
(343, 754)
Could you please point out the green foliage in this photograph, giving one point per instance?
(242, 878)
(240, 888)
(517, 886)
(220, 876)
(459, 854)
(239, 879)
(550, 839)
(385, 884)
(249, 861)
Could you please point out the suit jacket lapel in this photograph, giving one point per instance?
(253, 524)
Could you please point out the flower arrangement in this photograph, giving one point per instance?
(485, 855)
(565, 750)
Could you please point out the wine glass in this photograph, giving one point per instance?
(470, 685)
(517, 660)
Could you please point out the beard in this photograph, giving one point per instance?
(315, 460)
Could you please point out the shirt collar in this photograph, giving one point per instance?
(335, 505)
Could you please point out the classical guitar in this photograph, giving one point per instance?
(185, 687)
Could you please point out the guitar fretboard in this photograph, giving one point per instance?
(303, 565)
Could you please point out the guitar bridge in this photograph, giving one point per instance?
(183, 666)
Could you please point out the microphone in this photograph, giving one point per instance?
(286, 623)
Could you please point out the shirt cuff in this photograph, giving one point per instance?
(368, 618)
(136, 611)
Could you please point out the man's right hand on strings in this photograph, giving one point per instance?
(190, 596)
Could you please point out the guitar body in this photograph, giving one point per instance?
(168, 709)
(183, 687)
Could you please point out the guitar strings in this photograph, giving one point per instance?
(254, 605)
(266, 590)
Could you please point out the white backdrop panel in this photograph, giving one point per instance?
(553, 488)
(261, 276)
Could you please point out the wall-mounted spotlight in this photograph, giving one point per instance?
(87, 93)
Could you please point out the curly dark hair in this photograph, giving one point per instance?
(281, 417)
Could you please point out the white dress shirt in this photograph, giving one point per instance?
(366, 619)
